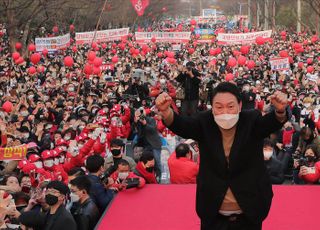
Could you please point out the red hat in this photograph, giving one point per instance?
(28, 168)
(104, 121)
(80, 138)
(62, 142)
(59, 150)
(54, 153)
(101, 112)
(46, 154)
(117, 107)
(33, 158)
(22, 163)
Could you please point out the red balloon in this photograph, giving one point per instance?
(236, 53)
(301, 50)
(32, 70)
(114, 51)
(97, 62)
(94, 45)
(171, 60)
(136, 51)
(74, 49)
(145, 47)
(91, 55)
(229, 77)
(68, 61)
(20, 60)
(251, 64)
(232, 62)
(40, 69)
(290, 60)
(309, 61)
(261, 58)
(104, 45)
(212, 52)
(191, 51)
(296, 46)
(160, 55)
(242, 60)
(260, 40)
(218, 51)
(213, 62)
(96, 70)
(71, 27)
(18, 46)
(122, 46)
(55, 29)
(87, 69)
(35, 58)
(32, 47)
(45, 52)
(310, 69)
(170, 54)
(283, 53)
(164, 9)
(153, 39)
(300, 65)
(245, 49)
(283, 33)
(7, 106)
(115, 59)
(314, 38)
(15, 55)
(193, 22)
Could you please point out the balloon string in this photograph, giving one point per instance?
(98, 23)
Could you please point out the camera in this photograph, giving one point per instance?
(303, 161)
(142, 116)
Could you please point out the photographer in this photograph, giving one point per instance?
(309, 165)
(248, 97)
(147, 136)
(190, 81)
(138, 89)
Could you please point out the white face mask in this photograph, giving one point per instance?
(162, 81)
(226, 121)
(61, 159)
(267, 154)
(24, 113)
(38, 164)
(67, 138)
(56, 161)
(123, 175)
(74, 151)
(48, 163)
(307, 105)
(74, 197)
(30, 97)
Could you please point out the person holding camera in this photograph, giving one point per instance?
(309, 165)
(138, 89)
(147, 136)
(190, 82)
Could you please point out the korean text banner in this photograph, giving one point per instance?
(170, 37)
(13, 153)
(101, 36)
(279, 63)
(205, 35)
(53, 43)
(242, 38)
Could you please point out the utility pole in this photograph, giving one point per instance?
(274, 14)
(266, 14)
(258, 13)
(200, 7)
(299, 16)
(249, 13)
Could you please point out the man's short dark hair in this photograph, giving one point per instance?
(76, 171)
(145, 157)
(182, 150)
(94, 163)
(267, 142)
(82, 183)
(116, 142)
(227, 87)
(124, 163)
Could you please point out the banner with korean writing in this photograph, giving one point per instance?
(313, 77)
(13, 153)
(169, 37)
(279, 64)
(101, 36)
(209, 12)
(53, 43)
(242, 38)
(205, 35)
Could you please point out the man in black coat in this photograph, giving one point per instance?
(233, 186)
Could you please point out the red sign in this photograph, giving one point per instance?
(13, 153)
(139, 6)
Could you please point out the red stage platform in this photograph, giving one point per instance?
(172, 207)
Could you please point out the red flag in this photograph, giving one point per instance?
(139, 6)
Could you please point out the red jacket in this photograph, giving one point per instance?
(116, 183)
(182, 170)
(312, 177)
(156, 90)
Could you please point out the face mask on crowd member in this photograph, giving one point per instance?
(267, 149)
(123, 170)
(310, 154)
(56, 193)
(226, 105)
(116, 148)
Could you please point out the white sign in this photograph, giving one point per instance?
(170, 37)
(313, 77)
(53, 43)
(101, 36)
(243, 38)
(209, 12)
(279, 64)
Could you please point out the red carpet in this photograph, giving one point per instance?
(172, 207)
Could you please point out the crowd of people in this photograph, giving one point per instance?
(77, 125)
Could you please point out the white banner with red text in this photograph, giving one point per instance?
(101, 36)
(242, 38)
(52, 43)
(163, 37)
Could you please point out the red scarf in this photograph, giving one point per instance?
(149, 177)
(287, 136)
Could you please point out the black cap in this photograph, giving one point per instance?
(60, 186)
(116, 142)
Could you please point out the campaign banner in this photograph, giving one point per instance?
(313, 77)
(279, 64)
(13, 153)
(205, 35)
(242, 38)
(209, 12)
(211, 20)
(101, 36)
(169, 37)
(52, 43)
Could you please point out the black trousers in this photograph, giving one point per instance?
(233, 222)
